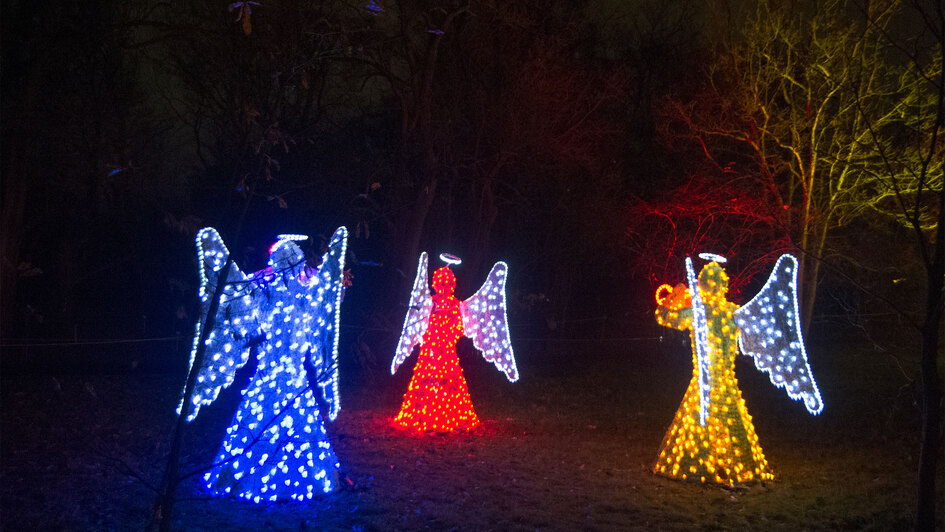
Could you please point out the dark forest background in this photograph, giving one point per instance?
(517, 132)
(578, 141)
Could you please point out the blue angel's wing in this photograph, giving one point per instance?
(486, 323)
(770, 331)
(418, 315)
(234, 328)
(321, 324)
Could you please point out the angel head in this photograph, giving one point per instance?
(286, 257)
(713, 280)
(444, 282)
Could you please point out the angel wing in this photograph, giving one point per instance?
(325, 317)
(418, 315)
(486, 323)
(770, 331)
(228, 342)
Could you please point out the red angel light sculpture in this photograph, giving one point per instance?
(437, 398)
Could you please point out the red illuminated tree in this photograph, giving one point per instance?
(732, 217)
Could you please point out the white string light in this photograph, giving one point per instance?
(770, 332)
(713, 257)
(486, 321)
(700, 342)
(417, 318)
(292, 236)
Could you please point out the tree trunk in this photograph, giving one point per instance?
(416, 222)
(167, 496)
(429, 174)
(485, 220)
(931, 409)
(21, 57)
(930, 399)
(810, 274)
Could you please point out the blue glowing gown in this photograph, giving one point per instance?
(276, 447)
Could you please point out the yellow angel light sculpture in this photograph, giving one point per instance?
(712, 438)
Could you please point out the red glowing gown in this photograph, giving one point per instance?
(437, 398)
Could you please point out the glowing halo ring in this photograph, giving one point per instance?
(659, 291)
(450, 259)
(713, 257)
(288, 237)
(292, 236)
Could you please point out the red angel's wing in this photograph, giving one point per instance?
(418, 316)
(486, 323)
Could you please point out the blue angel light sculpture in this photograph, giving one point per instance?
(712, 437)
(276, 447)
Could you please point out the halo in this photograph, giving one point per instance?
(713, 257)
(291, 236)
(287, 237)
(450, 259)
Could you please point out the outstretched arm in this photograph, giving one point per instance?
(675, 311)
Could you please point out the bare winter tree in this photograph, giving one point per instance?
(497, 123)
(782, 105)
(908, 149)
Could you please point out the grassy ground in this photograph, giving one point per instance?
(568, 447)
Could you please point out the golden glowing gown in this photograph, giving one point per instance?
(437, 398)
(725, 450)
